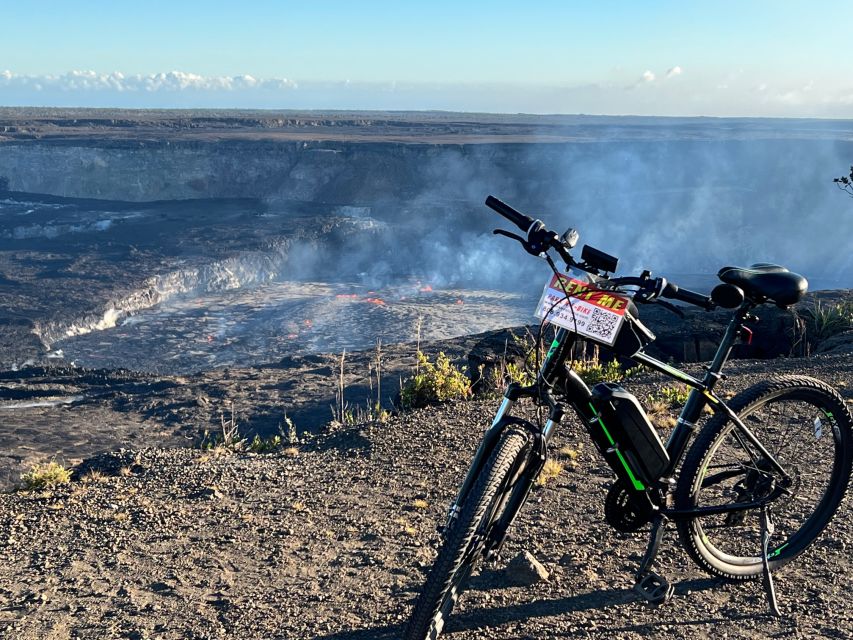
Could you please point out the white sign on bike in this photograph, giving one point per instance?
(587, 311)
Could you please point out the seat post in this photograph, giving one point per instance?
(712, 374)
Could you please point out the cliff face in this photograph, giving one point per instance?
(331, 173)
(678, 202)
(374, 157)
(371, 173)
(602, 177)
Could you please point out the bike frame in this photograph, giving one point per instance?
(554, 375)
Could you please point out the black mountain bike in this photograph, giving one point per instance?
(762, 479)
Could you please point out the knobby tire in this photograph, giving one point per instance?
(805, 424)
(463, 543)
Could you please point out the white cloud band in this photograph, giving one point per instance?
(117, 81)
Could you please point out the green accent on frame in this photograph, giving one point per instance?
(553, 348)
(777, 551)
(639, 486)
(676, 373)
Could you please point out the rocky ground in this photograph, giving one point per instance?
(333, 539)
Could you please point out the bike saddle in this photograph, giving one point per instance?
(764, 281)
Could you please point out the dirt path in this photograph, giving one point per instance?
(334, 542)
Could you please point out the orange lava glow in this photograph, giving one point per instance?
(292, 336)
(374, 300)
(308, 323)
(459, 301)
(426, 289)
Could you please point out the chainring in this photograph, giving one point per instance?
(622, 511)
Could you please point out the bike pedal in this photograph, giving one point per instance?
(653, 588)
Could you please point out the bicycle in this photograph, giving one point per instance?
(779, 451)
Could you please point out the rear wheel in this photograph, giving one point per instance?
(500, 480)
(805, 425)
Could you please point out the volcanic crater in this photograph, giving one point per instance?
(161, 270)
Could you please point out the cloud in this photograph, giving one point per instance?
(647, 93)
(173, 81)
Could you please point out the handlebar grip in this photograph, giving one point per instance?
(685, 295)
(520, 220)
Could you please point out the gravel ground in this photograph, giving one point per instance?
(334, 541)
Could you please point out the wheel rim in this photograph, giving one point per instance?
(804, 439)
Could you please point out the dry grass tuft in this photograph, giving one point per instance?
(550, 471)
(92, 477)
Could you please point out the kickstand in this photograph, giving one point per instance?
(653, 588)
(767, 529)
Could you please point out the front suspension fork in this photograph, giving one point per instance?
(490, 439)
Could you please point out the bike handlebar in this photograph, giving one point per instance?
(685, 295)
(520, 220)
(540, 239)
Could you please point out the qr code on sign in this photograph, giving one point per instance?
(602, 324)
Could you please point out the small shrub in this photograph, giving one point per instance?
(592, 371)
(290, 428)
(675, 395)
(407, 528)
(344, 413)
(822, 321)
(550, 470)
(92, 476)
(230, 440)
(264, 445)
(661, 404)
(45, 476)
(420, 504)
(518, 374)
(434, 382)
(356, 414)
(571, 455)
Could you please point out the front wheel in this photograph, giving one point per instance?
(804, 424)
(501, 478)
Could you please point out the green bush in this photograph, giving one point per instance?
(671, 396)
(45, 476)
(593, 371)
(434, 382)
(823, 321)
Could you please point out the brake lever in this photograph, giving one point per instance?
(509, 234)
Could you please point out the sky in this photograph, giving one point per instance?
(713, 58)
